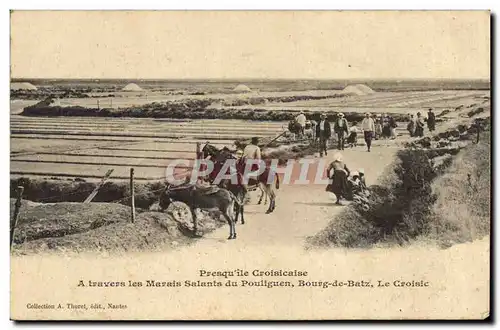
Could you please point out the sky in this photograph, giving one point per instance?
(250, 44)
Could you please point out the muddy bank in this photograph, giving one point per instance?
(79, 227)
(60, 219)
(402, 207)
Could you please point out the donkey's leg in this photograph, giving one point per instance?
(228, 214)
(272, 196)
(236, 211)
(241, 198)
(241, 213)
(261, 193)
(195, 221)
(270, 192)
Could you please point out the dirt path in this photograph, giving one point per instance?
(301, 210)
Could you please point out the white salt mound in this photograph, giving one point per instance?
(358, 89)
(22, 86)
(242, 88)
(132, 88)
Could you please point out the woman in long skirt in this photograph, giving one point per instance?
(339, 185)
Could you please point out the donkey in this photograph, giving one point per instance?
(206, 198)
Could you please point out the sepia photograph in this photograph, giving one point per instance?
(250, 165)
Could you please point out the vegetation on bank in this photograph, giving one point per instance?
(190, 109)
(21, 94)
(462, 210)
(424, 194)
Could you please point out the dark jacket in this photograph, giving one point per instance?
(431, 118)
(327, 132)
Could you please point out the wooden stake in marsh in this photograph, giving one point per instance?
(132, 194)
(99, 186)
(17, 205)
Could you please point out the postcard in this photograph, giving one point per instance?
(250, 165)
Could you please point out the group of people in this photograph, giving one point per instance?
(373, 127)
(416, 125)
(345, 184)
(384, 126)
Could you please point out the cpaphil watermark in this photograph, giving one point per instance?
(302, 172)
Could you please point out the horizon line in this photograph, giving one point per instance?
(251, 78)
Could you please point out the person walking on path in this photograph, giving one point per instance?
(341, 129)
(431, 120)
(368, 126)
(323, 133)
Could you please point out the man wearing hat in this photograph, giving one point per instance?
(342, 129)
(368, 126)
(323, 133)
